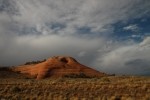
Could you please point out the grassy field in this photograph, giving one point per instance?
(105, 88)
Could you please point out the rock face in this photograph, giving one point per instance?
(58, 66)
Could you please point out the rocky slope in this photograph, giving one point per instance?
(58, 66)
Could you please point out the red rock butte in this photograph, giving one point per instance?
(57, 66)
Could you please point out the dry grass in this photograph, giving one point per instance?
(105, 88)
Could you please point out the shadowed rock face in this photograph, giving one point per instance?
(58, 66)
(6, 72)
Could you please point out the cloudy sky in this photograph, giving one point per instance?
(109, 35)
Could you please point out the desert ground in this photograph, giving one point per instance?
(104, 88)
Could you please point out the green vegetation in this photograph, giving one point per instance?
(34, 62)
(105, 88)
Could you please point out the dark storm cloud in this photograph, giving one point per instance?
(142, 66)
(8, 6)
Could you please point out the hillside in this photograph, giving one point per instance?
(58, 66)
(6, 72)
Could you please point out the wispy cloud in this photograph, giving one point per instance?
(132, 27)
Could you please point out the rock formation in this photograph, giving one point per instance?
(58, 66)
